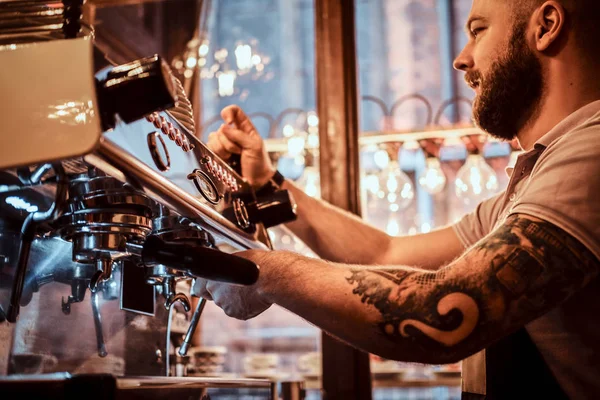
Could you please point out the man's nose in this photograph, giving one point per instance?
(464, 61)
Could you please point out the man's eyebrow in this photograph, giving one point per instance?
(472, 19)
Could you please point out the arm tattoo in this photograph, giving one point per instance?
(520, 271)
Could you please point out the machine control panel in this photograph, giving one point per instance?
(166, 142)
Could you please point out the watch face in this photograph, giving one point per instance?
(205, 186)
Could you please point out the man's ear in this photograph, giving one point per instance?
(549, 20)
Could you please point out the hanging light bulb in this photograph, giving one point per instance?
(396, 187)
(203, 49)
(310, 182)
(226, 83)
(370, 183)
(392, 227)
(432, 178)
(243, 56)
(381, 158)
(296, 145)
(475, 180)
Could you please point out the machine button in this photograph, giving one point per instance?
(178, 137)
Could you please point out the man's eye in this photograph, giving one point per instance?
(476, 31)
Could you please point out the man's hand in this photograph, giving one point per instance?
(239, 136)
(237, 301)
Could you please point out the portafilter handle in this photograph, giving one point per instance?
(199, 261)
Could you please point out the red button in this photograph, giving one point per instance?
(172, 131)
(185, 145)
(178, 137)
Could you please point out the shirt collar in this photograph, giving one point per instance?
(577, 118)
(523, 157)
(568, 124)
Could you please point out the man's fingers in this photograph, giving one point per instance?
(239, 137)
(215, 145)
(230, 146)
(235, 115)
(200, 289)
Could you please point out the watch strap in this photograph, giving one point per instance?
(274, 184)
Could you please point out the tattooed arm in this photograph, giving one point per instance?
(514, 275)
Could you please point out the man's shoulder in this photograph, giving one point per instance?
(581, 140)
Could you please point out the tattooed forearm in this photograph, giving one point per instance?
(444, 319)
(516, 274)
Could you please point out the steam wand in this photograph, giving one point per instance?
(98, 325)
(183, 349)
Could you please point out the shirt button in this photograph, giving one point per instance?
(513, 197)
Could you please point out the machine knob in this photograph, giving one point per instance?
(241, 213)
(136, 89)
(199, 261)
(274, 209)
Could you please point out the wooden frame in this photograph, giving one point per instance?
(346, 372)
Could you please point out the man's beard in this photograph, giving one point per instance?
(512, 91)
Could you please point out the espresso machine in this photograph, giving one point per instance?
(109, 206)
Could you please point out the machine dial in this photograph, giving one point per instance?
(205, 186)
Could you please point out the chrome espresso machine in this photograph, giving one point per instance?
(109, 205)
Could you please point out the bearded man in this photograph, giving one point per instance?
(512, 289)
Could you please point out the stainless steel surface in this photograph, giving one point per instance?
(172, 195)
(28, 229)
(102, 275)
(172, 296)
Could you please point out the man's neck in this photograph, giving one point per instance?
(559, 100)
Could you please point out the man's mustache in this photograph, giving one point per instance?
(473, 79)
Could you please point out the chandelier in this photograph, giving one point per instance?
(226, 66)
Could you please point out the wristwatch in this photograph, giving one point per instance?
(274, 184)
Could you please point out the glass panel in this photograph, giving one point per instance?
(423, 164)
(260, 56)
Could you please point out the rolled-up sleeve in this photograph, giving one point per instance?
(474, 226)
(564, 188)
